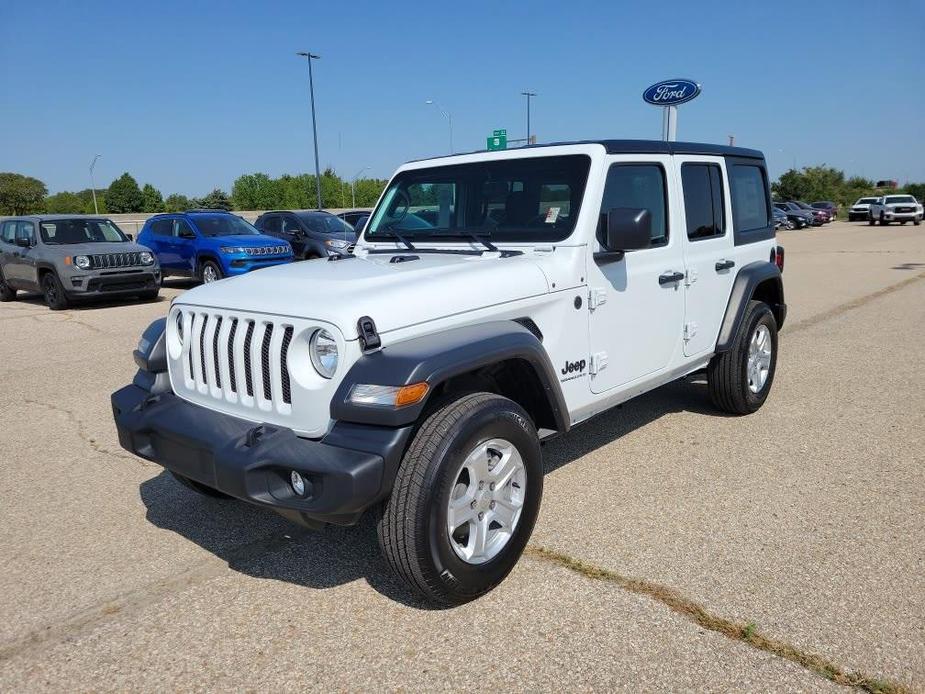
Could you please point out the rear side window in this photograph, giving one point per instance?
(162, 227)
(704, 207)
(749, 190)
(640, 186)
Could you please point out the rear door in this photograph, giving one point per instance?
(709, 252)
(25, 265)
(637, 303)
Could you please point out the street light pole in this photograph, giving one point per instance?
(353, 182)
(529, 96)
(96, 210)
(449, 118)
(311, 90)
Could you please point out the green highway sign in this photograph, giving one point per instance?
(498, 140)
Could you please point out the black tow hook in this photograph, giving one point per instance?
(254, 435)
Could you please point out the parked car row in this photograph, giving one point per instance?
(69, 257)
(797, 214)
(887, 209)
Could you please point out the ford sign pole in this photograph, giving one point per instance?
(669, 95)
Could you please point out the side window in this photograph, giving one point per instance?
(8, 232)
(703, 201)
(639, 186)
(26, 230)
(181, 228)
(290, 225)
(749, 190)
(162, 227)
(271, 223)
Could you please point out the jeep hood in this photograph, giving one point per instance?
(393, 294)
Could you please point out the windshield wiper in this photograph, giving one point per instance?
(395, 235)
(479, 239)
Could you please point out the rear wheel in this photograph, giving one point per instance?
(740, 379)
(7, 293)
(465, 499)
(53, 292)
(211, 272)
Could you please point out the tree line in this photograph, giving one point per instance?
(21, 194)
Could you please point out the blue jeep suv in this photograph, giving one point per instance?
(210, 244)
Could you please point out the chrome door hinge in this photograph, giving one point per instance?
(598, 362)
(596, 297)
(690, 277)
(690, 329)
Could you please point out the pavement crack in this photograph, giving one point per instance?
(133, 601)
(742, 632)
(851, 305)
(85, 437)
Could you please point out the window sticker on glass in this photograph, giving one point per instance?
(552, 214)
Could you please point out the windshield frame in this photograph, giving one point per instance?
(99, 220)
(572, 163)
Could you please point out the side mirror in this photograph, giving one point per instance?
(187, 234)
(23, 242)
(625, 229)
(130, 237)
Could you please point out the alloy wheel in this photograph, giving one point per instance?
(759, 359)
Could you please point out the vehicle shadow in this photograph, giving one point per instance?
(93, 304)
(261, 544)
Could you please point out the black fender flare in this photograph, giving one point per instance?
(743, 289)
(436, 357)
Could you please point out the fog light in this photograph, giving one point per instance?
(298, 483)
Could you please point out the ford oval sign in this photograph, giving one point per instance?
(671, 92)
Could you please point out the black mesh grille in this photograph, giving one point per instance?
(218, 370)
(231, 376)
(265, 361)
(111, 260)
(248, 377)
(202, 350)
(283, 367)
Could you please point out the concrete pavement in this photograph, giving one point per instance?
(804, 520)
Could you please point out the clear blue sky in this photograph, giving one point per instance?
(188, 95)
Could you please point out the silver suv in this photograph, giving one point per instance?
(71, 256)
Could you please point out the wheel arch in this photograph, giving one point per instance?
(502, 357)
(760, 281)
(205, 255)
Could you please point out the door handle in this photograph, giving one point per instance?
(670, 277)
(725, 265)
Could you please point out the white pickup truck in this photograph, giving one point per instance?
(894, 208)
(495, 299)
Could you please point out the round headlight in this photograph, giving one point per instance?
(323, 349)
(146, 258)
(82, 261)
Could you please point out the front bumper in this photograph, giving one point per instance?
(112, 283)
(242, 265)
(253, 462)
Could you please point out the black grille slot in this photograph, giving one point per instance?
(218, 371)
(265, 361)
(189, 351)
(248, 377)
(114, 260)
(283, 368)
(231, 377)
(202, 350)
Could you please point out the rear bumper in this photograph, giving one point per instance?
(344, 474)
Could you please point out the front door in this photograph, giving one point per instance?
(637, 303)
(183, 249)
(709, 253)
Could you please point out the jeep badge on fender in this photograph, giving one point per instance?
(419, 379)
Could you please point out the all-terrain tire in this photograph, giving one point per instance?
(53, 292)
(412, 526)
(728, 372)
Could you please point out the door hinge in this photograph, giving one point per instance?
(690, 277)
(596, 297)
(598, 362)
(690, 329)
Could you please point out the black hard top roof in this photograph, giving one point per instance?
(644, 147)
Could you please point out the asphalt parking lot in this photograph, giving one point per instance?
(676, 548)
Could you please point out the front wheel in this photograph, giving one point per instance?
(211, 272)
(465, 499)
(883, 221)
(53, 292)
(740, 379)
(917, 221)
(870, 220)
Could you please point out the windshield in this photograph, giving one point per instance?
(69, 231)
(803, 205)
(866, 201)
(527, 199)
(326, 224)
(223, 225)
(899, 198)
(822, 205)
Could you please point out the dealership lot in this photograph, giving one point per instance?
(804, 520)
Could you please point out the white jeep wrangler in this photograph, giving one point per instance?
(495, 299)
